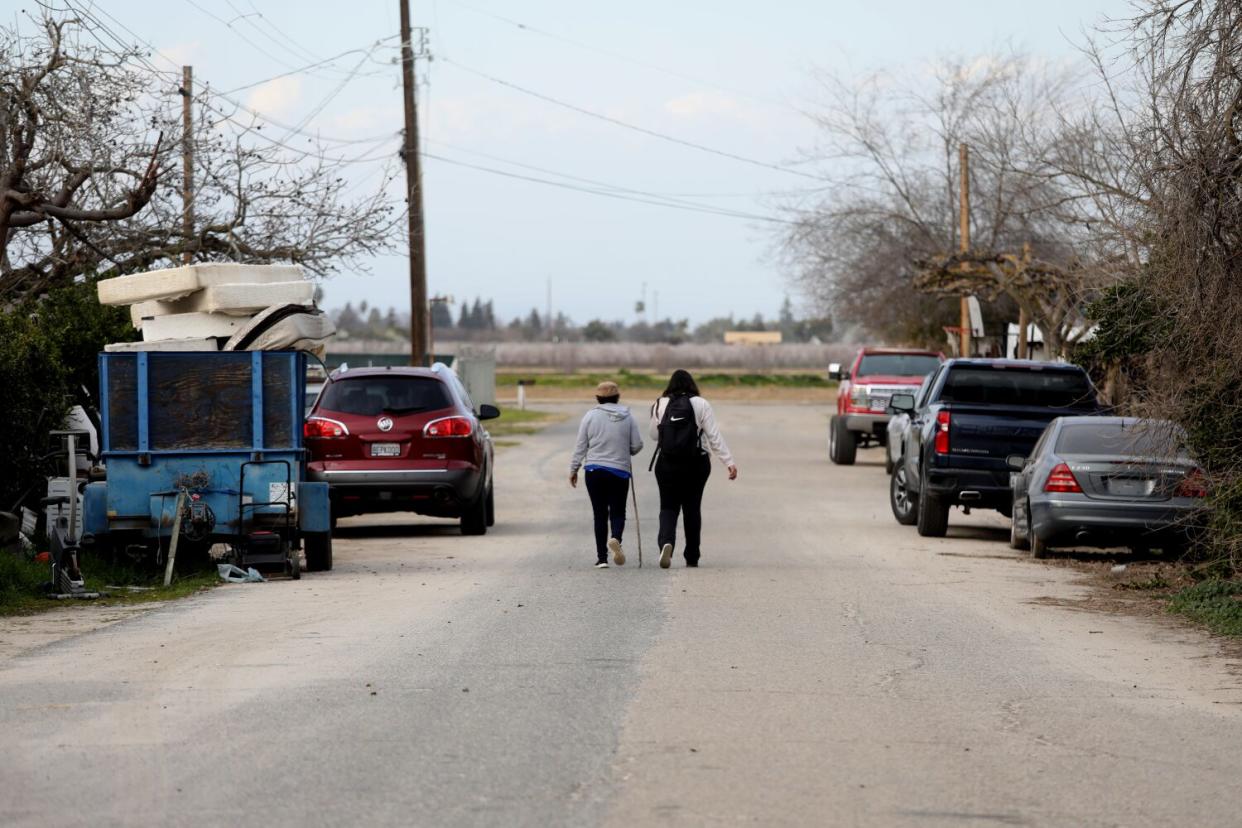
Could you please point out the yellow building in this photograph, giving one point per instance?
(752, 337)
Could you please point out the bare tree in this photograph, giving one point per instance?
(1054, 296)
(892, 147)
(90, 142)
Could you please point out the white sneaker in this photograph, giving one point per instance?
(602, 565)
(618, 557)
(666, 556)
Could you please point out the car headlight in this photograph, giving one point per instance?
(860, 396)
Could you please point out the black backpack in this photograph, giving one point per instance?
(679, 431)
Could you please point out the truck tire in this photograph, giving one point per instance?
(933, 514)
(903, 502)
(474, 518)
(318, 548)
(842, 443)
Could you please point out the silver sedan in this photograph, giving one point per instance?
(1106, 481)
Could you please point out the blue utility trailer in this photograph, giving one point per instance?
(207, 446)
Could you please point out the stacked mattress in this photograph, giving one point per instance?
(225, 307)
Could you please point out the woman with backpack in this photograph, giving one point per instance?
(685, 430)
(607, 438)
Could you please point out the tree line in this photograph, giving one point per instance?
(476, 321)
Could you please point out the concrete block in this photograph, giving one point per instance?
(232, 299)
(177, 282)
(192, 326)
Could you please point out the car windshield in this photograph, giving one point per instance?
(897, 365)
(1140, 439)
(1018, 386)
(370, 396)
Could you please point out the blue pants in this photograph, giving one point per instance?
(608, 492)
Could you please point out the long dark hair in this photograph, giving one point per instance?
(681, 383)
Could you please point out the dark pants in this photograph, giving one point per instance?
(681, 490)
(608, 492)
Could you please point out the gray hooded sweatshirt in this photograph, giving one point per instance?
(608, 436)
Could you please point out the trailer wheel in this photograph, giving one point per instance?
(318, 548)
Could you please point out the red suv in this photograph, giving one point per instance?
(863, 396)
(403, 440)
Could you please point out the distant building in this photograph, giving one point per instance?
(752, 337)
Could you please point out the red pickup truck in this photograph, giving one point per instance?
(863, 396)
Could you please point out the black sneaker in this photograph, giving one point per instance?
(694, 562)
(601, 564)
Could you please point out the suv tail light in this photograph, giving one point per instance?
(321, 428)
(449, 427)
(1194, 484)
(1061, 479)
(943, 421)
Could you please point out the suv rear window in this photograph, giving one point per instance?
(898, 365)
(1018, 386)
(1149, 439)
(371, 396)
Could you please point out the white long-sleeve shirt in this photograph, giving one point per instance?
(709, 433)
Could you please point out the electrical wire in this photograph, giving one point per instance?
(626, 125)
(659, 202)
(524, 165)
(527, 28)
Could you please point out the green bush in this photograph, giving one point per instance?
(48, 354)
(1215, 603)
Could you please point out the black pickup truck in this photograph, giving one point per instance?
(975, 414)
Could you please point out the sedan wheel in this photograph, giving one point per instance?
(1019, 529)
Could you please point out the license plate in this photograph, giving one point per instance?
(385, 449)
(1130, 487)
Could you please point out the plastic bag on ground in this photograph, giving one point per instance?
(237, 575)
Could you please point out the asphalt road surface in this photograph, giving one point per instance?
(824, 666)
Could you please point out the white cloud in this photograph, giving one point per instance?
(277, 98)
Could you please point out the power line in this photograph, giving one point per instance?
(304, 69)
(604, 184)
(626, 125)
(527, 28)
(608, 193)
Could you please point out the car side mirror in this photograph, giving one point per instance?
(834, 371)
(902, 402)
(488, 412)
(1016, 462)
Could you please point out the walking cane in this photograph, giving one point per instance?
(638, 524)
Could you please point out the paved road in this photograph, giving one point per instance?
(825, 666)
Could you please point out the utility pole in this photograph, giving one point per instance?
(187, 160)
(414, 199)
(547, 320)
(1024, 321)
(964, 163)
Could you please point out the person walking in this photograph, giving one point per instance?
(607, 438)
(684, 427)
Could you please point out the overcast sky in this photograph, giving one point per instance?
(729, 76)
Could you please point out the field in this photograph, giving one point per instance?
(550, 385)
